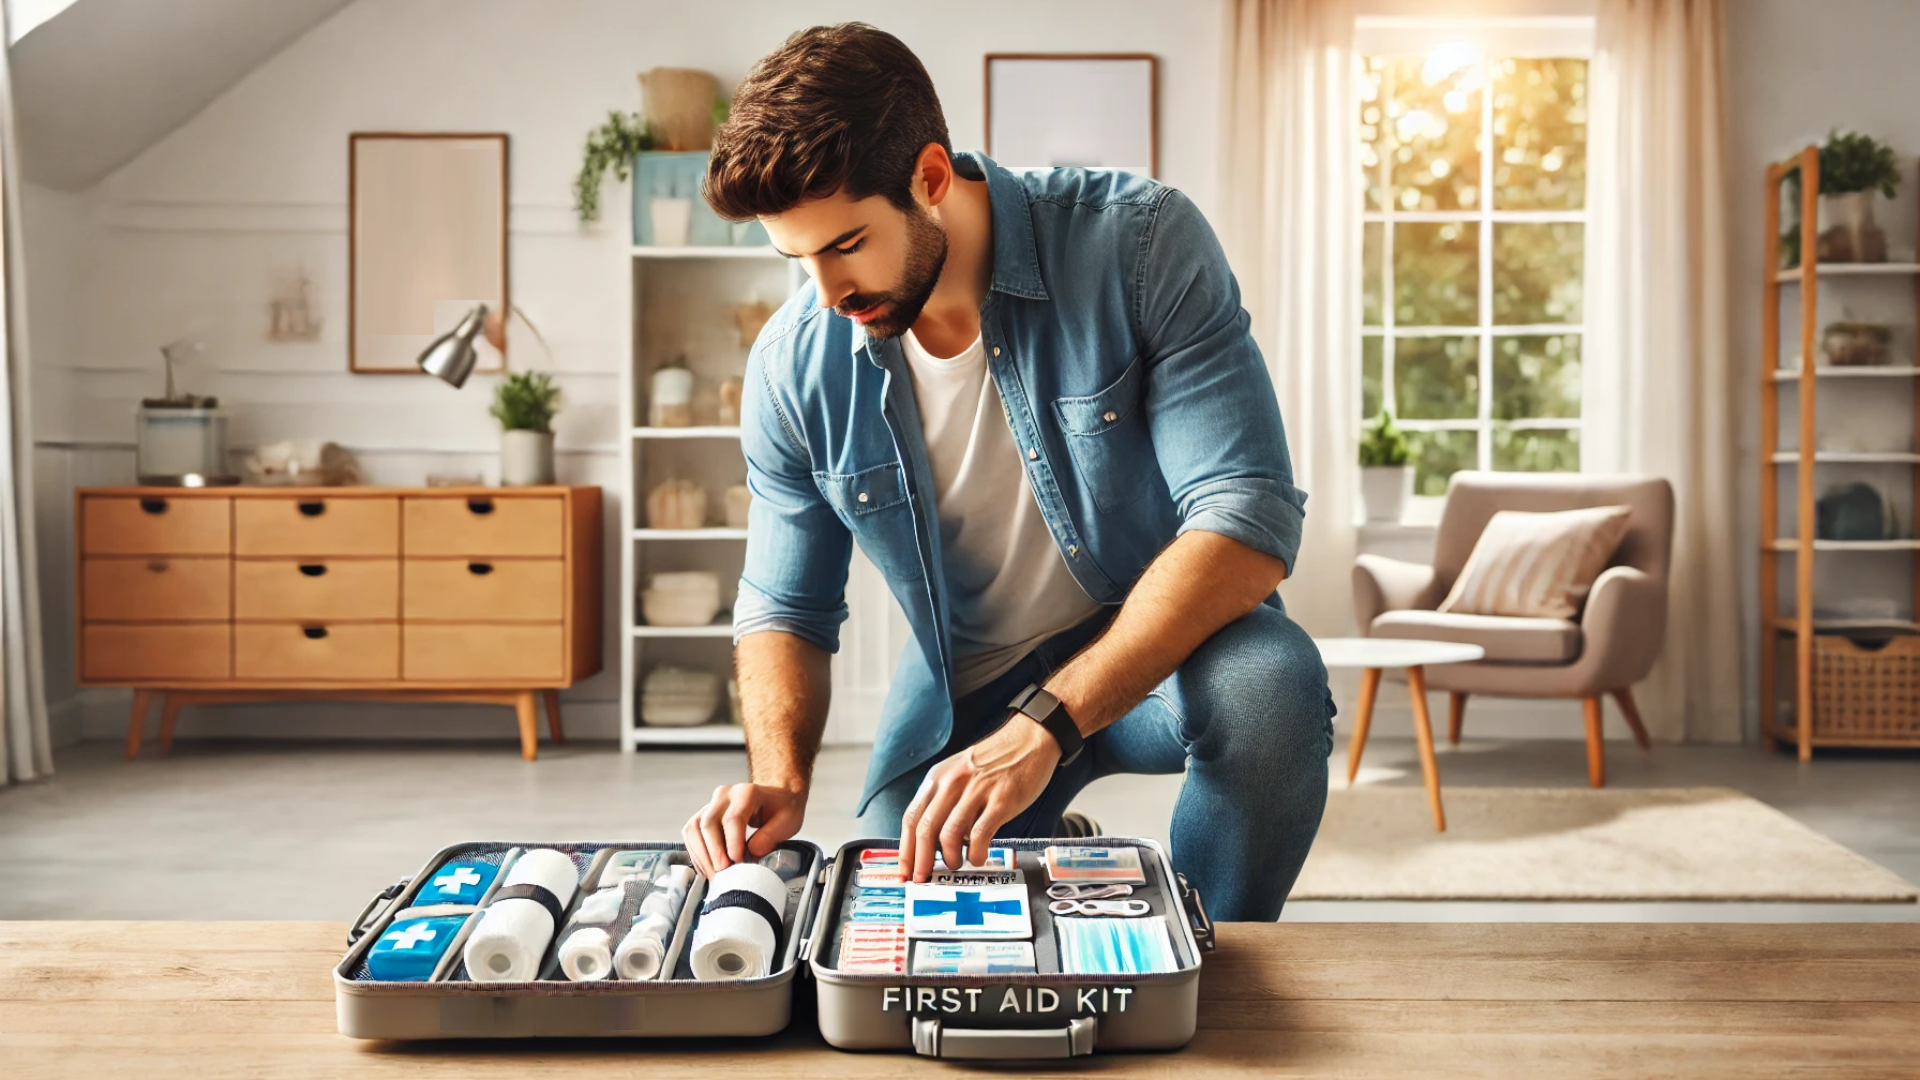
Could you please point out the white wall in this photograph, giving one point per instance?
(1799, 69)
(187, 238)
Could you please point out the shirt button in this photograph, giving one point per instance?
(1073, 549)
(1111, 417)
(996, 350)
(863, 496)
(1032, 454)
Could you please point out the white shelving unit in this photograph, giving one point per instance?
(682, 301)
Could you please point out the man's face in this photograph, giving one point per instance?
(871, 261)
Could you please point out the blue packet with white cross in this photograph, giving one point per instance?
(458, 882)
(410, 950)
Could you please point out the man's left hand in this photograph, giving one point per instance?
(966, 798)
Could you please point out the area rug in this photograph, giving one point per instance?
(1662, 844)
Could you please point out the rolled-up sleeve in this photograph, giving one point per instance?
(795, 576)
(1211, 406)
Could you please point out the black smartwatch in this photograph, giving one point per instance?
(1047, 711)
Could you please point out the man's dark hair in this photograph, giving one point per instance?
(835, 108)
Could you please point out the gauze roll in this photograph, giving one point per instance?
(587, 955)
(740, 924)
(514, 932)
(644, 948)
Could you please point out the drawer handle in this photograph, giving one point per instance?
(158, 566)
(480, 568)
(313, 507)
(314, 633)
(153, 506)
(480, 506)
(313, 569)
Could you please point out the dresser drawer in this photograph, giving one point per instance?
(484, 653)
(484, 525)
(157, 588)
(331, 652)
(155, 525)
(184, 651)
(316, 589)
(505, 590)
(316, 525)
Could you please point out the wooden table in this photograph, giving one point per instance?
(205, 1001)
(1372, 656)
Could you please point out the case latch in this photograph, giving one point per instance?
(1196, 913)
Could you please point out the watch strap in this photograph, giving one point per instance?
(1047, 710)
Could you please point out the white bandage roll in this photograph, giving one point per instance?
(737, 940)
(587, 955)
(664, 905)
(644, 948)
(513, 934)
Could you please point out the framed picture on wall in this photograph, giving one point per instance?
(426, 242)
(1094, 110)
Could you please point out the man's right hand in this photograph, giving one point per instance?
(717, 836)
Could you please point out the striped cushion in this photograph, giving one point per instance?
(1537, 565)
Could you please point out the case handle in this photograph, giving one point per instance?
(1196, 914)
(153, 506)
(383, 900)
(314, 633)
(932, 1039)
(480, 505)
(313, 569)
(312, 507)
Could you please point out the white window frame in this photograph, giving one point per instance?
(1499, 38)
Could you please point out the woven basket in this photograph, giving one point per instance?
(1866, 690)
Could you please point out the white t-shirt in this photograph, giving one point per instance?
(1008, 584)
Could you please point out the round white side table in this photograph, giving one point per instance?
(1372, 656)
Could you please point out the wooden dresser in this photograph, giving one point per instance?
(227, 595)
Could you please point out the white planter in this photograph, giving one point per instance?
(672, 221)
(1384, 490)
(526, 458)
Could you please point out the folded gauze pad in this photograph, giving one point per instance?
(740, 923)
(518, 925)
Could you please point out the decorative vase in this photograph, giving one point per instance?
(526, 458)
(1384, 490)
(1851, 235)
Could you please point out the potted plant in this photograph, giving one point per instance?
(611, 145)
(525, 404)
(1385, 477)
(1853, 167)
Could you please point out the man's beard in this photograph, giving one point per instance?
(926, 258)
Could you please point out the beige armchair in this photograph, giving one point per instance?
(1608, 648)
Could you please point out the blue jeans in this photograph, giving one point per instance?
(1248, 718)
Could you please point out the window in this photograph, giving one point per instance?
(1472, 238)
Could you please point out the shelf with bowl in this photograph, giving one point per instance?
(706, 630)
(705, 251)
(710, 734)
(703, 431)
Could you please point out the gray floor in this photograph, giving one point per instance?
(309, 831)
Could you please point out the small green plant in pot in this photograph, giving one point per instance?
(525, 404)
(1853, 169)
(1386, 475)
(609, 146)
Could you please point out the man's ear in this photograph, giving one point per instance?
(932, 174)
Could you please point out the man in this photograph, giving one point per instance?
(1034, 401)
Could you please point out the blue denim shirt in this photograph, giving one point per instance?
(1115, 336)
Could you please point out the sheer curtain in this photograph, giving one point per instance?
(25, 749)
(1290, 189)
(1658, 388)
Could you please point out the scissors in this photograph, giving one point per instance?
(1068, 891)
(1132, 908)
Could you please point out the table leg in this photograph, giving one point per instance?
(137, 725)
(527, 710)
(1362, 716)
(1423, 733)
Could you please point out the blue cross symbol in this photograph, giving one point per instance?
(967, 908)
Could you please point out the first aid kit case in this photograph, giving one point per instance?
(1050, 948)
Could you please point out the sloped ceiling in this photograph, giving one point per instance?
(104, 79)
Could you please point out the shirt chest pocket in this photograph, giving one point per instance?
(875, 505)
(1106, 435)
